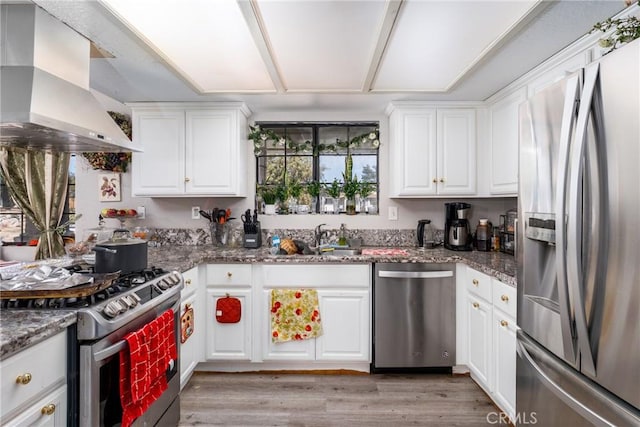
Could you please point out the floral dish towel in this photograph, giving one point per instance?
(295, 315)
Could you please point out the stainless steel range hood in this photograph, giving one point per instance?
(45, 101)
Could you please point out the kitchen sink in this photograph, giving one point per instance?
(343, 252)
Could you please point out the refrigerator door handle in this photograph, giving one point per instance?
(564, 296)
(575, 273)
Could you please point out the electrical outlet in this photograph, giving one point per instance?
(142, 212)
(393, 213)
(195, 212)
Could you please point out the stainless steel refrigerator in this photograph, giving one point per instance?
(578, 248)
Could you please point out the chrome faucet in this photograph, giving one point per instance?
(319, 232)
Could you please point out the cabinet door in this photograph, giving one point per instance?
(211, 152)
(49, 411)
(479, 339)
(288, 350)
(228, 341)
(190, 349)
(159, 170)
(456, 151)
(504, 143)
(345, 324)
(504, 336)
(413, 152)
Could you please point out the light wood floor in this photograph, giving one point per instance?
(266, 399)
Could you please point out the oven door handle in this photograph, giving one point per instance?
(110, 351)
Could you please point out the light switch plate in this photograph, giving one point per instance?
(195, 212)
(142, 212)
(393, 213)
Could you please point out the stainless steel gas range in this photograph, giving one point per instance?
(104, 319)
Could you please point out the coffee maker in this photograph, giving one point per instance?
(457, 232)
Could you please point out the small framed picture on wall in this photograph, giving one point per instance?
(109, 187)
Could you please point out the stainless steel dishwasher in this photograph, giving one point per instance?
(414, 316)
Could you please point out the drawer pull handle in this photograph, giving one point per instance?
(229, 274)
(48, 409)
(24, 379)
(476, 305)
(504, 323)
(187, 282)
(504, 298)
(475, 282)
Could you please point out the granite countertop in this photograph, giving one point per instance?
(22, 328)
(182, 258)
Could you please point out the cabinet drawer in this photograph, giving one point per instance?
(228, 274)
(50, 411)
(316, 276)
(41, 367)
(479, 283)
(504, 297)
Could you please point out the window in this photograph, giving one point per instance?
(15, 227)
(292, 155)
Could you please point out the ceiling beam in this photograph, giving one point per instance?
(391, 12)
(252, 17)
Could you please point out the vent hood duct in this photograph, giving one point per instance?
(45, 101)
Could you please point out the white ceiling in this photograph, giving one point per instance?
(321, 54)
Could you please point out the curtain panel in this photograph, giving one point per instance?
(37, 181)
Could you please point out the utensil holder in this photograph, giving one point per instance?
(219, 234)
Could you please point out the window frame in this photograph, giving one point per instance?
(316, 153)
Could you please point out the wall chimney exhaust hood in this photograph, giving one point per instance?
(45, 101)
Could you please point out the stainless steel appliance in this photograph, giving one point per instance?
(414, 323)
(426, 234)
(45, 98)
(457, 232)
(105, 317)
(577, 248)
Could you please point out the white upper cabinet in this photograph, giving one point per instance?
(432, 151)
(504, 117)
(190, 149)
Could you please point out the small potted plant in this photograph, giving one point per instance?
(268, 195)
(366, 188)
(295, 190)
(351, 188)
(282, 194)
(313, 189)
(333, 190)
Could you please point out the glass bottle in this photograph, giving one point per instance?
(342, 238)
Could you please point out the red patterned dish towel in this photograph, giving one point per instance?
(143, 365)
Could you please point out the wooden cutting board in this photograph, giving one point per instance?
(100, 282)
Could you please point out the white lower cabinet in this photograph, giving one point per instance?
(37, 374)
(191, 349)
(345, 322)
(504, 337)
(229, 341)
(491, 336)
(48, 411)
(479, 339)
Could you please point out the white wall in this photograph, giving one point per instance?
(176, 212)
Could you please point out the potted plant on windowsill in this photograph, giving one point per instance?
(313, 189)
(295, 190)
(351, 187)
(268, 196)
(282, 194)
(366, 188)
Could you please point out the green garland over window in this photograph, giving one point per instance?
(260, 137)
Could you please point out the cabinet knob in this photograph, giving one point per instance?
(476, 305)
(441, 179)
(24, 379)
(187, 282)
(187, 179)
(229, 274)
(435, 180)
(504, 323)
(475, 282)
(504, 298)
(48, 409)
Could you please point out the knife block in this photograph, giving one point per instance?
(253, 240)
